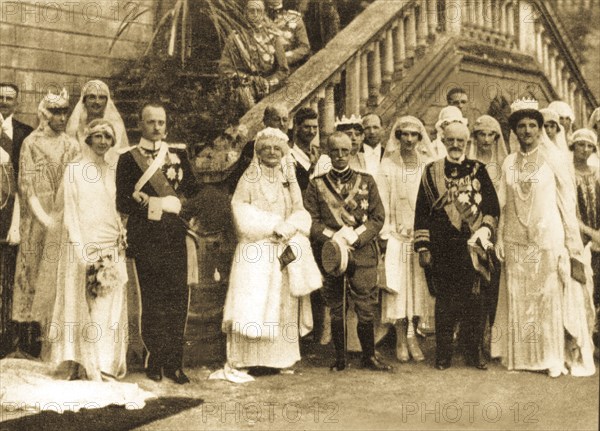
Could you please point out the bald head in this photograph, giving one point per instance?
(276, 116)
(339, 148)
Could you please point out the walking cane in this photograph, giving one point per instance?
(344, 314)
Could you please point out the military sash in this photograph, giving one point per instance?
(156, 177)
(337, 204)
(456, 210)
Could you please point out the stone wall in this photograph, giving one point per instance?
(46, 45)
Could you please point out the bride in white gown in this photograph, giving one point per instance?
(86, 308)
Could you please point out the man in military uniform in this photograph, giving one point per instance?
(293, 32)
(456, 208)
(346, 208)
(153, 181)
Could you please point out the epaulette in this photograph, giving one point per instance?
(294, 12)
(125, 150)
(178, 146)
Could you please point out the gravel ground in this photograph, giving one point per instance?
(415, 396)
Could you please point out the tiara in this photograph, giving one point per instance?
(54, 101)
(524, 103)
(345, 121)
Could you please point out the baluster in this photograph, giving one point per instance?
(566, 78)
(421, 19)
(510, 19)
(411, 37)
(364, 78)
(399, 48)
(314, 104)
(539, 49)
(502, 18)
(352, 104)
(546, 51)
(479, 13)
(432, 18)
(454, 15)
(327, 111)
(579, 108)
(552, 65)
(572, 89)
(374, 63)
(559, 77)
(388, 61)
(488, 14)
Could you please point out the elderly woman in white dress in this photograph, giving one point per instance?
(88, 280)
(267, 308)
(406, 296)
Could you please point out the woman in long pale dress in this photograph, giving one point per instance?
(541, 305)
(588, 201)
(44, 155)
(88, 281)
(407, 296)
(85, 309)
(267, 308)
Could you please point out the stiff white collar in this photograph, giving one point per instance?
(7, 125)
(149, 145)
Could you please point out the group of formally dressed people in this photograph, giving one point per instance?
(469, 236)
(78, 202)
(460, 235)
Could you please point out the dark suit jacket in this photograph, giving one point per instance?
(20, 132)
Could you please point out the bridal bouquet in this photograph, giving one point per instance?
(103, 276)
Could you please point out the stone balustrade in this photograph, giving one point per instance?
(356, 70)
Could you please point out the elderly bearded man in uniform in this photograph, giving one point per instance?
(153, 181)
(347, 215)
(456, 206)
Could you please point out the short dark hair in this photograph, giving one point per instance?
(304, 114)
(10, 85)
(453, 91)
(153, 104)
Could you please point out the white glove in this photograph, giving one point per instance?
(14, 236)
(171, 204)
(284, 230)
(484, 235)
(349, 235)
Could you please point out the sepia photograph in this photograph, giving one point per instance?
(299, 215)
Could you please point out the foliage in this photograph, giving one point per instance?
(182, 74)
(579, 29)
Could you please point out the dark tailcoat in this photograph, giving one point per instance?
(453, 201)
(8, 253)
(159, 249)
